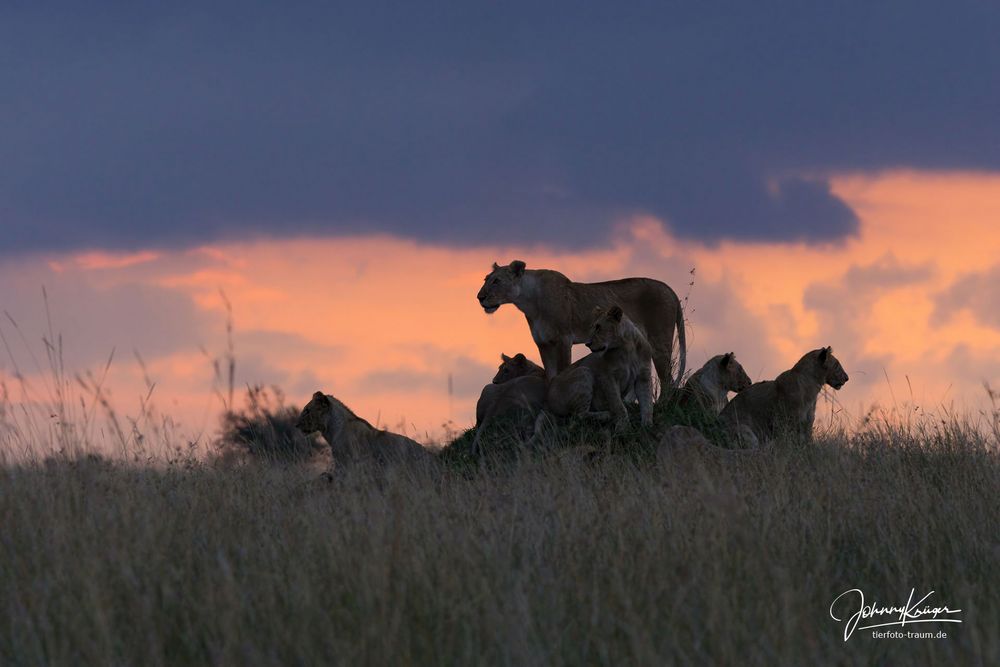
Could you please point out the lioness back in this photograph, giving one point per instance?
(752, 408)
(391, 446)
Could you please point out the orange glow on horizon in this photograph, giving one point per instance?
(381, 322)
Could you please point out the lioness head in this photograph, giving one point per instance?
(826, 367)
(607, 330)
(502, 285)
(731, 373)
(514, 367)
(314, 416)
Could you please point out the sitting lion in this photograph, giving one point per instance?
(619, 365)
(353, 439)
(511, 368)
(559, 312)
(708, 387)
(785, 405)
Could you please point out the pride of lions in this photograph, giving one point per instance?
(629, 326)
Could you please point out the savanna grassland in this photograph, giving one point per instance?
(558, 558)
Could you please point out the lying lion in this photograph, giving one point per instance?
(519, 385)
(559, 312)
(351, 438)
(618, 366)
(708, 387)
(511, 368)
(785, 405)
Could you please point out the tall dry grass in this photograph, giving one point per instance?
(547, 560)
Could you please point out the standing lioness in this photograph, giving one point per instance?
(560, 312)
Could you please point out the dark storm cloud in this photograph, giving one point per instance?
(125, 124)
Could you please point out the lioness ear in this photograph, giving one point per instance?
(504, 357)
(320, 397)
(517, 267)
(824, 354)
(519, 357)
(727, 359)
(616, 313)
(495, 266)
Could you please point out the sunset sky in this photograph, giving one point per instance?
(345, 176)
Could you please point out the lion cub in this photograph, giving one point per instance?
(353, 439)
(786, 404)
(619, 364)
(708, 387)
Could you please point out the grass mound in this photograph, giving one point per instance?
(505, 439)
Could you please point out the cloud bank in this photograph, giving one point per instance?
(137, 125)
